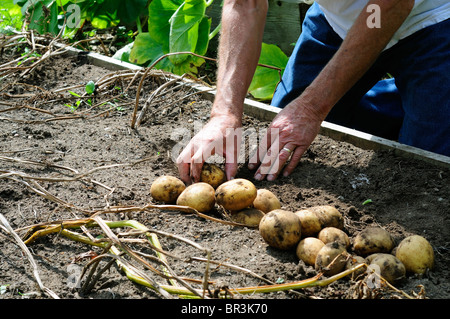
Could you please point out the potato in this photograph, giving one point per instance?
(387, 266)
(266, 201)
(354, 261)
(213, 175)
(199, 196)
(248, 216)
(328, 216)
(330, 234)
(373, 240)
(167, 189)
(308, 248)
(236, 194)
(331, 259)
(371, 257)
(280, 229)
(416, 253)
(310, 222)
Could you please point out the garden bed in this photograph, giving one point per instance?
(60, 164)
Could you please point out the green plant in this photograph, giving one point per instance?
(174, 26)
(48, 16)
(89, 90)
(10, 16)
(183, 26)
(266, 79)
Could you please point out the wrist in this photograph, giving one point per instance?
(316, 107)
(230, 114)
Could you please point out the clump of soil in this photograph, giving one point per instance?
(43, 141)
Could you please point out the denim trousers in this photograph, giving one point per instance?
(404, 96)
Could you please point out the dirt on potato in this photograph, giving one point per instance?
(59, 164)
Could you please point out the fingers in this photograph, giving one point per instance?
(231, 170)
(197, 162)
(184, 172)
(184, 165)
(293, 162)
(274, 161)
(191, 160)
(262, 149)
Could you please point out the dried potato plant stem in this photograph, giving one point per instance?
(179, 208)
(25, 249)
(137, 276)
(62, 228)
(129, 252)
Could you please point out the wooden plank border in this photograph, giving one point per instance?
(267, 112)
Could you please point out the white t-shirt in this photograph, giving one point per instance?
(341, 14)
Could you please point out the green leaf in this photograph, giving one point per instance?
(265, 79)
(123, 54)
(145, 49)
(159, 14)
(184, 28)
(10, 15)
(74, 94)
(189, 66)
(203, 36)
(129, 10)
(90, 87)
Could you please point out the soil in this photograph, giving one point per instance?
(47, 139)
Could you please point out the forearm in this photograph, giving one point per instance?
(358, 52)
(239, 50)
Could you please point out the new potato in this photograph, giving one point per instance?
(416, 253)
(310, 222)
(266, 201)
(308, 248)
(280, 229)
(166, 189)
(315, 218)
(213, 175)
(328, 216)
(236, 194)
(331, 259)
(331, 234)
(373, 240)
(199, 196)
(388, 266)
(248, 216)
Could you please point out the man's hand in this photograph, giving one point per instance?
(288, 136)
(221, 136)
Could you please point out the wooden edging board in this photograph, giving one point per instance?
(267, 112)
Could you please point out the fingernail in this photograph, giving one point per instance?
(251, 166)
(258, 177)
(271, 178)
(285, 174)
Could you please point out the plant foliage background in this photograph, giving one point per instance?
(151, 28)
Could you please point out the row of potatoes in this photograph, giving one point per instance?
(316, 234)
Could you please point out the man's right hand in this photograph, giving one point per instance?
(220, 136)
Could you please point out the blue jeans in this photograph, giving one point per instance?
(412, 107)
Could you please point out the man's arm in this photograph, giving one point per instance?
(239, 50)
(299, 122)
(358, 52)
